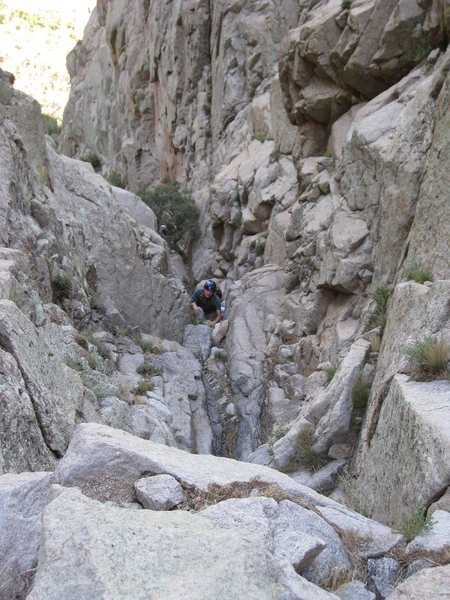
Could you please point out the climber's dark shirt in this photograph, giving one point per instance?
(208, 305)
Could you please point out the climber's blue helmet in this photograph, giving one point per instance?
(210, 286)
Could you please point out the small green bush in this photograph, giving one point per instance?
(422, 53)
(360, 394)
(414, 522)
(259, 248)
(327, 154)
(330, 372)
(261, 137)
(75, 364)
(176, 209)
(346, 4)
(150, 347)
(94, 160)
(430, 355)
(92, 362)
(275, 155)
(305, 456)
(314, 328)
(221, 355)
(147, 369)
(144, 386)
(61, 287)
(377, 317)
(417, 272)
(115, 179)
(51, 127)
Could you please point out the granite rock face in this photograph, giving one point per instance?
(418, 455)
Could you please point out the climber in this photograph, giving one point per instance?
(207, 300)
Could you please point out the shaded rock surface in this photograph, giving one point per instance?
(22, 498)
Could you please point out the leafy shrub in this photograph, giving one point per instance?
(330, 372)
(422, 53)
(430, 355)
(377, 317)
(75, 363)
(414, 522)
(115, 179)
(61, 287)
(51, 127)
(94, 160)
(149, 347)
(146, 368)
(144, 386)
(221, 355)
(174, 208)
(327, 154)
(259, 248)
(92, 362)
(360, 394)
(261, 137)
(417, 272)
(305, 456)
(275, 155)
(346, 4)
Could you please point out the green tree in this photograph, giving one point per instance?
(175, 212)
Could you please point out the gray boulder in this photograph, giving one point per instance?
(355, 590)
(106, 462)
(418, 455)
(197, 339)
(160, 492)
(89, 550)
(382, 575)
(428, 583)
(276, 528)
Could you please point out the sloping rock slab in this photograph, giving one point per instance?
(90, 550)
(106, 462)
(22, 499)
(55, 390)
(375, 539)
(22, 446)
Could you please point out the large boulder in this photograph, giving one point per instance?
(428, 583)
(415, 312)
(418, 455)
(89, 550)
